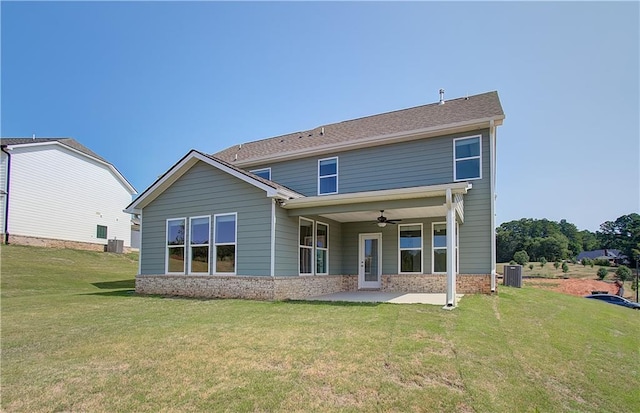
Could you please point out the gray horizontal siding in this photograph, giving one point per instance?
(416, 163)
(287, 244)
(205, 191)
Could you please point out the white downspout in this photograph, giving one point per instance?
(492, 152)
(451, 253)
(273, 238)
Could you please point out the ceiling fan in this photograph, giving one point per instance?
(383, 221)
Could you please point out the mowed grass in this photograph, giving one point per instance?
(76, 338)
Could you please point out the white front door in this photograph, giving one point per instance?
(370, 261)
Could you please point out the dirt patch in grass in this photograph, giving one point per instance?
(573, 286)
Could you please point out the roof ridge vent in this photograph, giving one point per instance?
(441, 97)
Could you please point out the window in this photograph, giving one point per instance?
(328, 176)
(199, 244)
(410, 244)
(225, 242)
(467, 158)
(439, 248)
(175, 245)
(262, 173)
(306, 246)
(101, 232)
(322, 248)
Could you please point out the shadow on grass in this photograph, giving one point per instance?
(112, 285)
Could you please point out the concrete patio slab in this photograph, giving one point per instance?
(382, 297)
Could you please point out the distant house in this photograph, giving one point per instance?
(400, 201)
(615, 257)
(57, 192)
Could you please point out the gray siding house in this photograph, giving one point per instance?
(401, 201)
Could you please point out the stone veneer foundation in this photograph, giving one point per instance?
(296, 288)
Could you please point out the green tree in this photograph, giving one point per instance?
(623, 273)
(521, 257)
(543, 262)
(565, 267)
(602, 272)
(556, 264)
(531, 266)
(622, 234)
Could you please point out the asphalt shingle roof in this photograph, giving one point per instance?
(464, 109)
(70, 142)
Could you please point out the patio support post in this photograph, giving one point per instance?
(451, 252)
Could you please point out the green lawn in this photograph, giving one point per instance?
(76, 338)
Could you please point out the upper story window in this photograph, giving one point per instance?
(467, 157)
(328, 176)
(262, 173)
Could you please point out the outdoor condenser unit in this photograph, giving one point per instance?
(513, 276)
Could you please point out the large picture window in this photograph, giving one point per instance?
(467, 158)
(328, 176)
(410, 246)
(322, 248)
(439, 247)
(175, 246)
(225, 243)
(199, 231)
(306, 246)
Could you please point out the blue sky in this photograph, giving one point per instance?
(142, 83)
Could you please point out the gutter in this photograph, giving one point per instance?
(6, 202)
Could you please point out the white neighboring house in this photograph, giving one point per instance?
(60, 193)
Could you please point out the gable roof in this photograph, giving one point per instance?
(73, 145)
(70, 142)
(271, 188)
(371, 130)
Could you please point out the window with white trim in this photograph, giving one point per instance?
(410, 248)
(199, 234)
(175, 246)
(322, 248)
(467, 156)
(306, 246)
(439, 247)
(328, 176)
(262, 173)
(225, 243)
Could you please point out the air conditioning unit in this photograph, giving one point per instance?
(513, 276)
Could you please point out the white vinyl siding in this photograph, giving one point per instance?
(60, 194)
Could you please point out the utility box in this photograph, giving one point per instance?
(115, 245)
(513, 276)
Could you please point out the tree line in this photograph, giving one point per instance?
(556, 241)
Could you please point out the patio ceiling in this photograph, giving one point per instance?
(392, 213)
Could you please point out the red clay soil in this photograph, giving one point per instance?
(573, 286)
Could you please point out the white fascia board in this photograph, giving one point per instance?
(113, 169)
(187, 163)
(383, 195)
(373, 141)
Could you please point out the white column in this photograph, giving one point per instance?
(451, 252)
